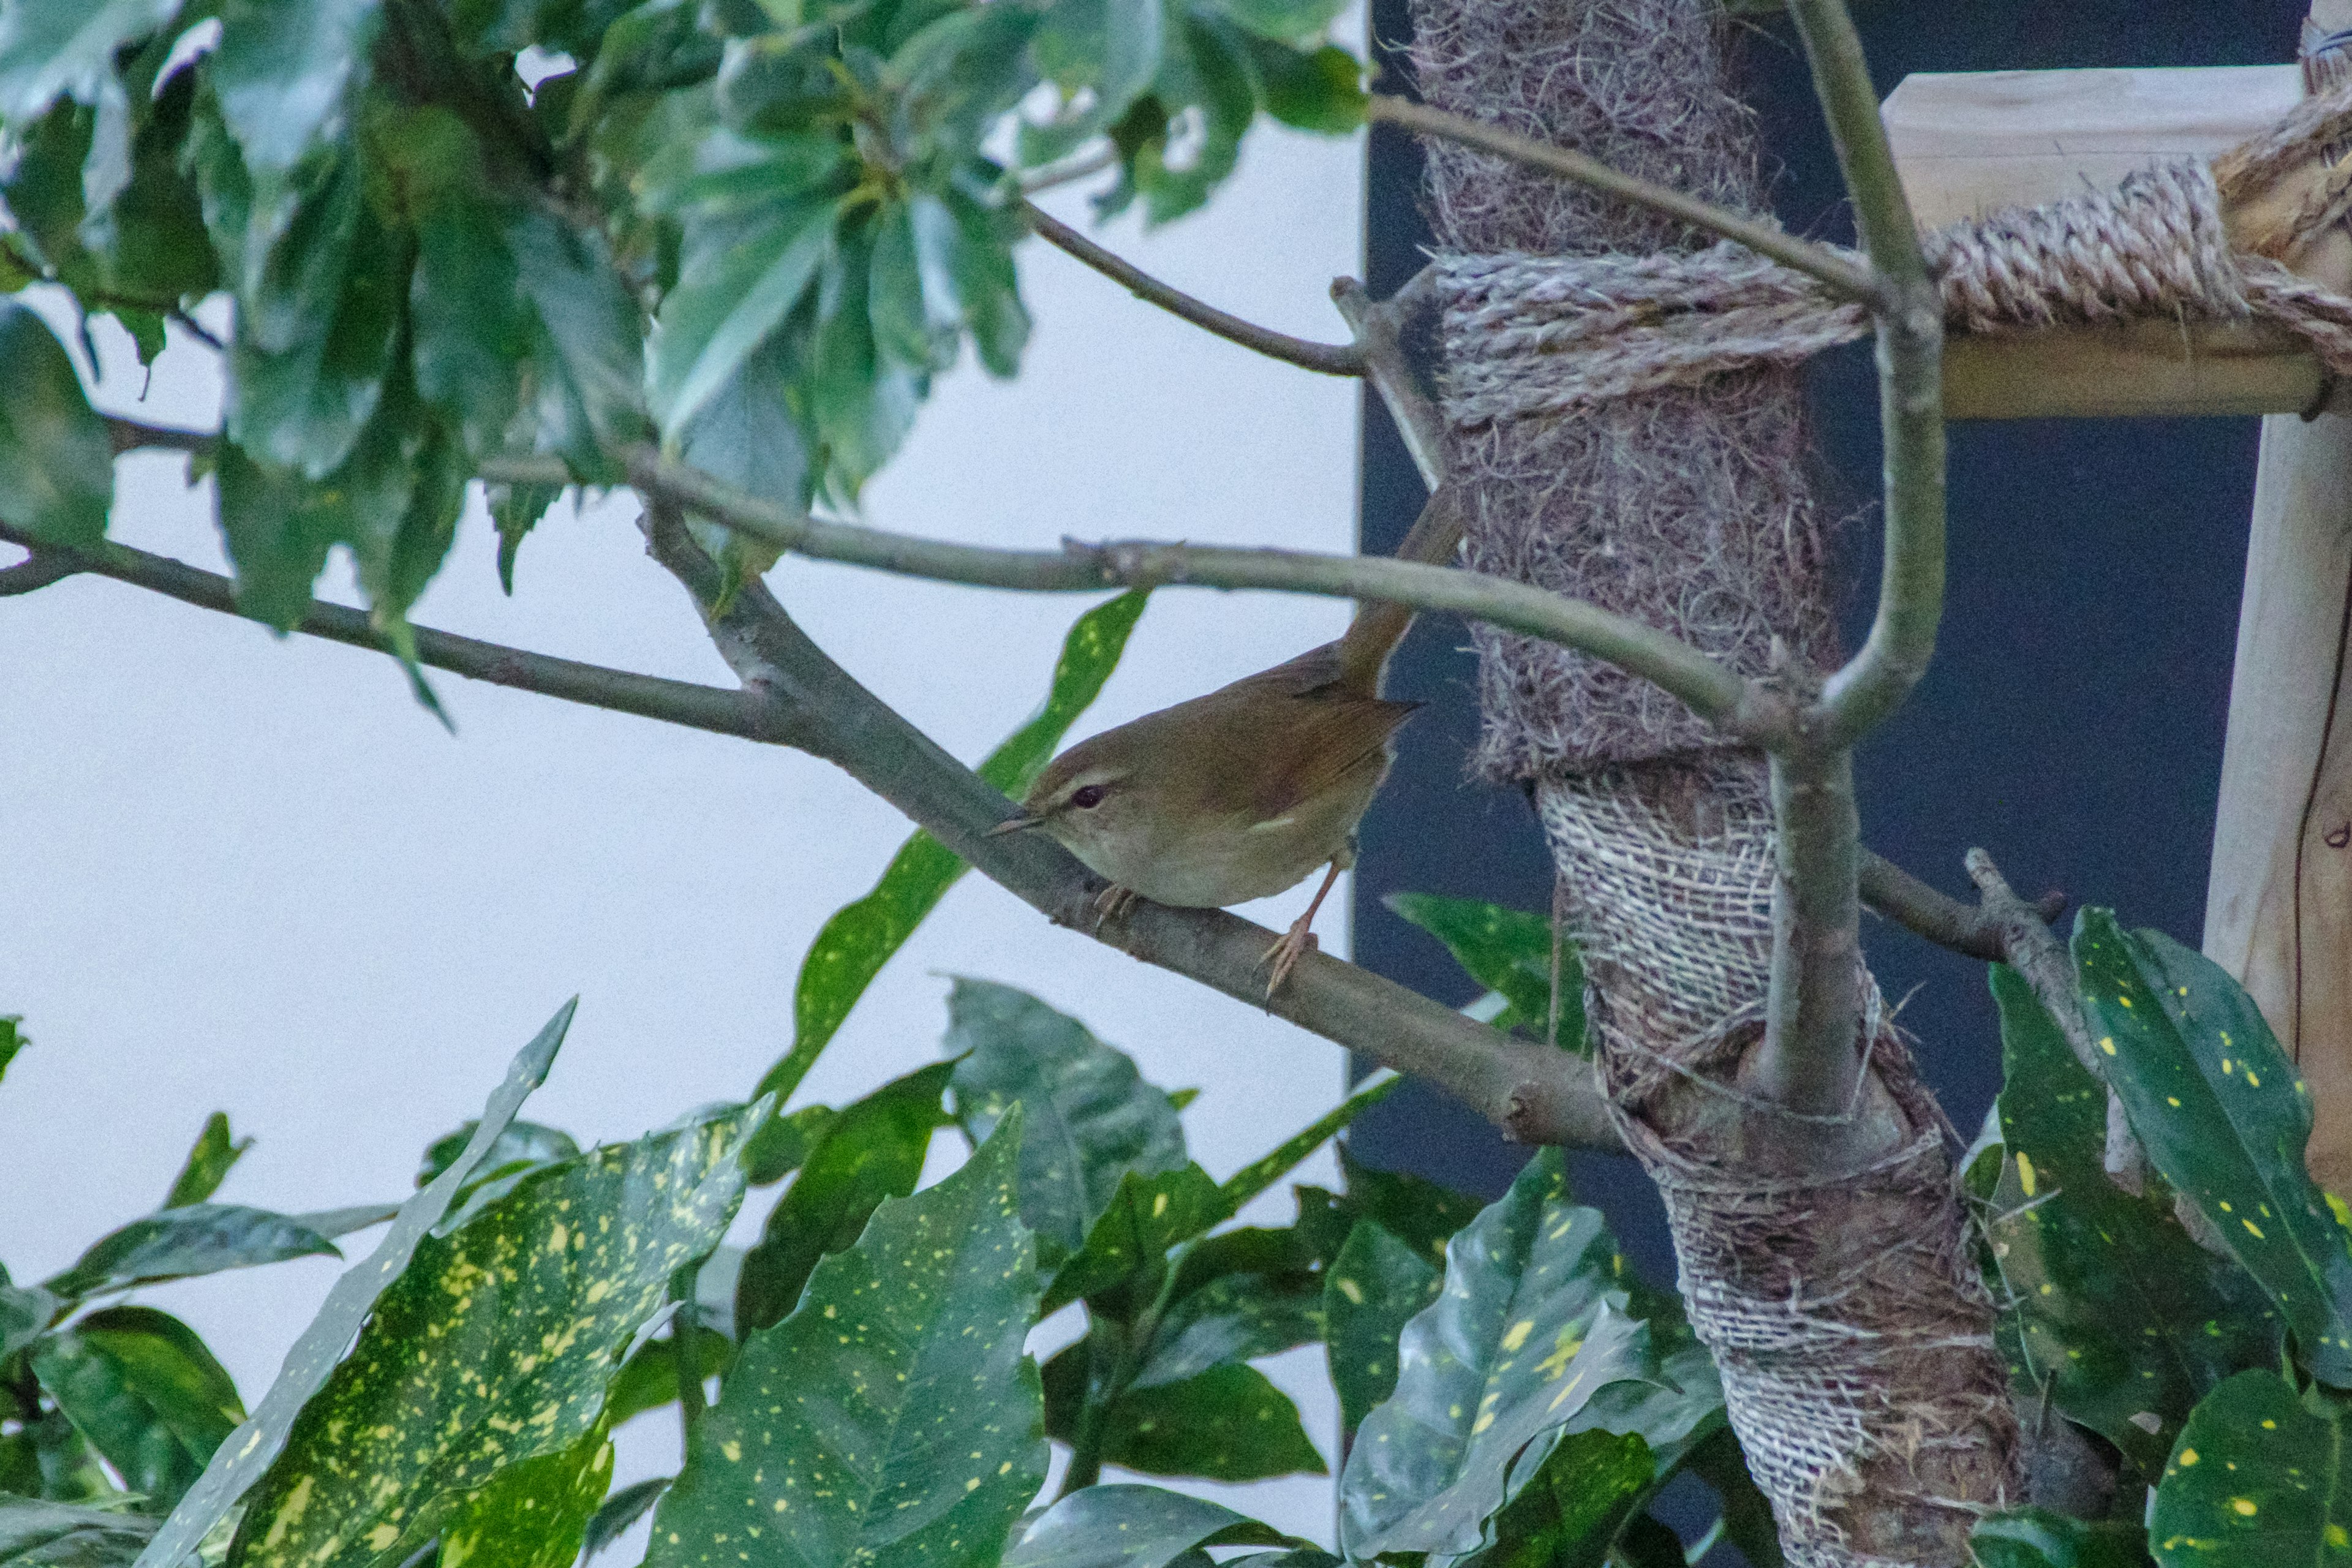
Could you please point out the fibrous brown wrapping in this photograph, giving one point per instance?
(1843, 1306)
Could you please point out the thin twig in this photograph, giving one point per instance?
(1379, 328)
(1038, 180)
(1328, 359)
(1546, 1095)
(1739, 706)
(138, 435)
(1970, 930)
(1841, 277)
(36, 572)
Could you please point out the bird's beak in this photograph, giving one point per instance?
(1015, 825)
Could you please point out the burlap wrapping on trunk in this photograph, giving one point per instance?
(1844, 1308)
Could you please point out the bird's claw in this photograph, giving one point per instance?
(1112, 902)
(1284, 954)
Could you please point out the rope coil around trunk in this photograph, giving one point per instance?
(1527, 335)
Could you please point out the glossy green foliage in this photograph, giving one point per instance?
(613, 1517)
(1532, 1326)
(178, 1243)
(2037, 1538)
(859, 938)
(2260, 1476)
(208, 1162)
(36, 1534)
(893, 1417)
(143, 1391)
(1277, 1162)
(872, 1151)
(1512, 954)
(1093, 1120)
(1376, 1285)
(2121, 1316)
(56, 465)
(1418, 1211)
(543, 1290)
(1126, 1247)
(12, 1040)
(534, 1513)
(1133, 1527)
(2225, 1116)
(254, 1448)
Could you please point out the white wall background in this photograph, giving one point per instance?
(252, 875)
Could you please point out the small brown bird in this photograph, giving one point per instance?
(1246, 791)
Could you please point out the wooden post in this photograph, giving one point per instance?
(2278, 911)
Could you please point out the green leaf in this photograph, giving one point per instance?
(13, 1039)
(146, 1394)
(59, 1535)
(534, 1513)
(1146, 1216)
(149, 237)
(66, 48)
(1319, 90)
(516, 509)
(1238, 1317)
(56, 465)
(2037, 1538)
(2125, 1319)
(1092, 1119)
(864, 404)
(26, 1313)
(1492, 1374)
(588, 354)
(207, 1163)
(544, 1290)
(648, 1379)
(250, 1450)
(892, 1418)
(1284, 21)
(1133, 1527)
(469, 327)
(522, 1145)
(2224, 1115)
(747, 435)
(1227, 1424)
(1111, 46)
(873, 1149)
(734, 289)
(284, 70)
(861, 937)
(1262, 1172)
(622, 1509)
(2258, 1479)
(1377, 1285)
(1587, 1498)
(201, 1239)
(1419, 1212)
(1747, 1515)
(1507, 950)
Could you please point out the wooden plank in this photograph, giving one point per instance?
(1970, 144)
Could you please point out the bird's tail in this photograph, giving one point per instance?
(1378, 627)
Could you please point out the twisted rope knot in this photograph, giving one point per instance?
(1527, 336)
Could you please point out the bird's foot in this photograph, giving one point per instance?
(1113, 902)
(1295, 942)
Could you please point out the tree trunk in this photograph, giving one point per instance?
(1842, 1300)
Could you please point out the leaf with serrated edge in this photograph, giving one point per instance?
(2225, 1116)
(2128, 1321)
(859, 938)
(892, 1418)
(2259, 1477)
(250, 1449)
(1133, 1527)
(542, 1290)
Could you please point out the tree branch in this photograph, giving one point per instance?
(1742, 707)
(36, 572)
(1834, 271)
(137, 436)
(1329, 359)
(1540, 1094)
(1379, 328)
(1536, 1094)
(1972, 930)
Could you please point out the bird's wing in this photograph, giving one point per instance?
(1328, 739)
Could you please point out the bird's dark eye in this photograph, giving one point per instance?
(1089, 799)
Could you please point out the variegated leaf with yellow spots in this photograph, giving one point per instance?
(494, 1347)
(2260, 1478)
(2124, 1319)
(1532, 1322)
(533, 1514)
(892, 1419)
(2225, 1116)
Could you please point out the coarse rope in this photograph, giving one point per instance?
(1535, 335)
